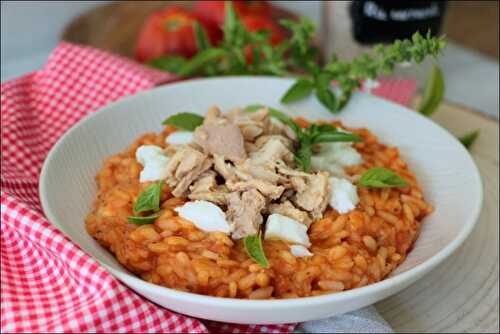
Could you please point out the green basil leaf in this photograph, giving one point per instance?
(149, 199)
(380, 177)
(254, 249)
(303, 155)
(275, 113)
(171, 64)
(201, 59)
(142, 220)
(202, 41)
(231, 23)
(336, 136)
(299, 90)
(468, 139)
(184, 120)
(327, 98)
(434, 92)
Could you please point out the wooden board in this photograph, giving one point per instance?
(114, 27)
(462, 294)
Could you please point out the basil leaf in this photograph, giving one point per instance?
(303, 155)
(468, 139)
(168, 63)
(434, 92)
(275, 113)
(327, 98)
(299, 90)
(254, 249)
(200, 60)
(335, 136)
(230, 27)
(184, 120)
(380, 177)
(143, 220)
(149, 199)
(202, 41)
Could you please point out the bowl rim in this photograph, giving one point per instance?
(123, 275)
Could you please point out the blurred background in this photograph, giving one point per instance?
(31, 29)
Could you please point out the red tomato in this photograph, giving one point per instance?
(170, 32)
(214, 11)
(255, 23)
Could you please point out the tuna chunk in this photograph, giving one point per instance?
(223, 168)
(244, 212)
(288, 209)
(184, 167)
(314, 196)
(272, 150)
(266, 188)
(221, 139)
(206, 189)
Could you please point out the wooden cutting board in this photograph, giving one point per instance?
(461, 295)
(114, 27)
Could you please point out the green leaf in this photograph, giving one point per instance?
(202, 41)
(171, 64)
(149, 199)
(143, 220)
(299, 90)
(201, 59)
(303, 156)
(434, 92)
(275, 113)
(327, 98)
(336, 136)
(380, 177)
(231, 23)
(468, 139)
(254, 249)
(184, 120)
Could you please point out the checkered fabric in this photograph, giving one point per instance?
(48, 284)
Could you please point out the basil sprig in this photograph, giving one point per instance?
(297, 54)
(306, 138)
(148, 200)
(254, 249)
(469, 138)
(380, 177)
(184, 120)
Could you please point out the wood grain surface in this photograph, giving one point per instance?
(462, 294)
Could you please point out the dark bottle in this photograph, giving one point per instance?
(379, 21)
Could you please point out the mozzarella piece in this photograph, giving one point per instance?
(205, 215)
(300, 251)
(179, 138)
(334, 157)
(147, 152)
(285, 228)
(344, 195)
(154, 161)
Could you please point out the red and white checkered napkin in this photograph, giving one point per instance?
(48, 284)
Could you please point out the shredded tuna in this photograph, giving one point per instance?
(244, 212)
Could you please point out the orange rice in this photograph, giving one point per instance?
(350, 250)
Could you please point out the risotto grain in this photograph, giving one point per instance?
(350, 250)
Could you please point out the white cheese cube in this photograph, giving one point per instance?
(344, 195)
(179, 138)
(205, 215)
(300, 251)
(154, 161)
(285, 228)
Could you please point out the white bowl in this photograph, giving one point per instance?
(445, 170)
